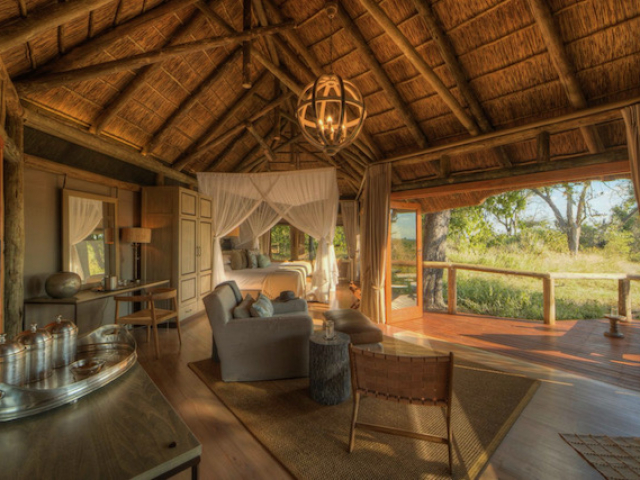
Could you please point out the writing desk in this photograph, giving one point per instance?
(127, 429)
(84, 296)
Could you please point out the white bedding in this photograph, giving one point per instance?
(272, 280)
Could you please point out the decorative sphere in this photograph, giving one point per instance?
(331, 113)
(63, 284)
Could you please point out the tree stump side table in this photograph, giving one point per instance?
(329, 369)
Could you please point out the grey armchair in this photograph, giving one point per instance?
(252, 349)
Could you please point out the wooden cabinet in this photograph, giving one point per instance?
(181, 243)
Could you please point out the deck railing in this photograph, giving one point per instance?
(548, 285)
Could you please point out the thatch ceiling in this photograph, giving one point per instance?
(497, 64)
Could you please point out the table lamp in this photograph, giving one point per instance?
(135, 236)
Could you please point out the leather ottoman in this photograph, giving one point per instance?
(354, 323)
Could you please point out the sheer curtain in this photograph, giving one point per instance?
(258, 223)
(375, 229)
(350, 220)
(85, 215)
(631, 117)
(308, 200)
(233, 199)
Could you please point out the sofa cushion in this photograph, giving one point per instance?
(243, 309)
(263, 261)
(262, 307)
(354, 323)
(238, 260)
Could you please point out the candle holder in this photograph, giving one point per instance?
(329, 330)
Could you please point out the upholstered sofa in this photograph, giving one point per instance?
(258, 348)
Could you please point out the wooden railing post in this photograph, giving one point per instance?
(549, 299)
(452, 292)
(624, 299)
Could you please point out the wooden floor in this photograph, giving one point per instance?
(564, 403)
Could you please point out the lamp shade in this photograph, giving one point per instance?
(135, 235)
(234, 233)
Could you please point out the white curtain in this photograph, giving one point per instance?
(631, 117)
(233, 199)
(308, 200)
(375, 229)
(85, 215)
(351, 222)
(258, 223)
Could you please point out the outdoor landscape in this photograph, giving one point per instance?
(585, 227)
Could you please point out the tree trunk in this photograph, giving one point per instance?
(436, 228)
(573, 238)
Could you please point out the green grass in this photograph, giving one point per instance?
(521, 297)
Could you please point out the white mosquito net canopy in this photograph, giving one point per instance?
(307, 199)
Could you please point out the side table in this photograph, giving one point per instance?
(329, 369)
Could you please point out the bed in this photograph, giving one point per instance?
(273, 279)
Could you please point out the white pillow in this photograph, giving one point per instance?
(226, 259)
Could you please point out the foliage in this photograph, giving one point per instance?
(281, 244)
(507, 208)
(469, 229)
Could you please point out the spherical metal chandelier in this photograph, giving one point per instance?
(331, 113)
(331, 110)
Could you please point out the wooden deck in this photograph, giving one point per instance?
(576, 346)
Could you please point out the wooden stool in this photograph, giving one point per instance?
(614, 330)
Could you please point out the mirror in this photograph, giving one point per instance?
(89, 236)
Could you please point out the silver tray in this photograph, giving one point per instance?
(102, 356)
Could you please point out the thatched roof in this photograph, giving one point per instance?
(497, 64)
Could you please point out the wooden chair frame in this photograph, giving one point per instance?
(388, 377)
(150, 315)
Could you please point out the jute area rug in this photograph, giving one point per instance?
(310, 440)
(615, 458)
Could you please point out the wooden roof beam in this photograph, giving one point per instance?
(21, 31)
(588, 117)
(381, 76)
(261, 141)
(51, 80)
(221, 156)
(200, 91)
(36, 119)
(102, 40)
(194, 150)
(450, 58)
(419, 63)
(565, 68)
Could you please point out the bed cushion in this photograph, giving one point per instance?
(238, 260)
(262, 307)
(252, 259)
(263, 261)
(243, 309)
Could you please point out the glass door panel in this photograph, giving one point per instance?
(404, 260)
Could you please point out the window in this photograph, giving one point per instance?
(280, 243)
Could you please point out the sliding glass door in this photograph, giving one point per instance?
(404, 263)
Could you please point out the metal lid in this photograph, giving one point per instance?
(34, 336)
(9, 348)
(62, 327)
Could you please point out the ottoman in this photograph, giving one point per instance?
(355, 324)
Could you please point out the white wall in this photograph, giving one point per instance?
(43, 229)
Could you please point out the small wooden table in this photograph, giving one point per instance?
(329, 368)
(127, 429)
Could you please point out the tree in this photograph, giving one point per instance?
(507, 208)
(435, 231)
(576, 196)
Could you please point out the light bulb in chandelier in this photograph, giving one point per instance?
(331, 113)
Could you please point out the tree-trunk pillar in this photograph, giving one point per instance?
(624, 299)
(14, 235)
(549, 301)
(435, 230)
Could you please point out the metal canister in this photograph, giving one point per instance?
(12, 362)
(65, 337)
(39, 353)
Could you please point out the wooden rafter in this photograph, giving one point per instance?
(543, 147)
(261, 141)
(216, 127)
(43, 19)
(381, 76)
(103, 39)
(227, 149)
(564, 66)
(258, 8)
(450, 58)
(419, 63)
(49, 81)
(198, 93)
(246, 45)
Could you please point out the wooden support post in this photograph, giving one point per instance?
(445, 166)
(549, 301)
(544, 147)
(246, 45)
(624, 298)
(14, 235)
(452, 291)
